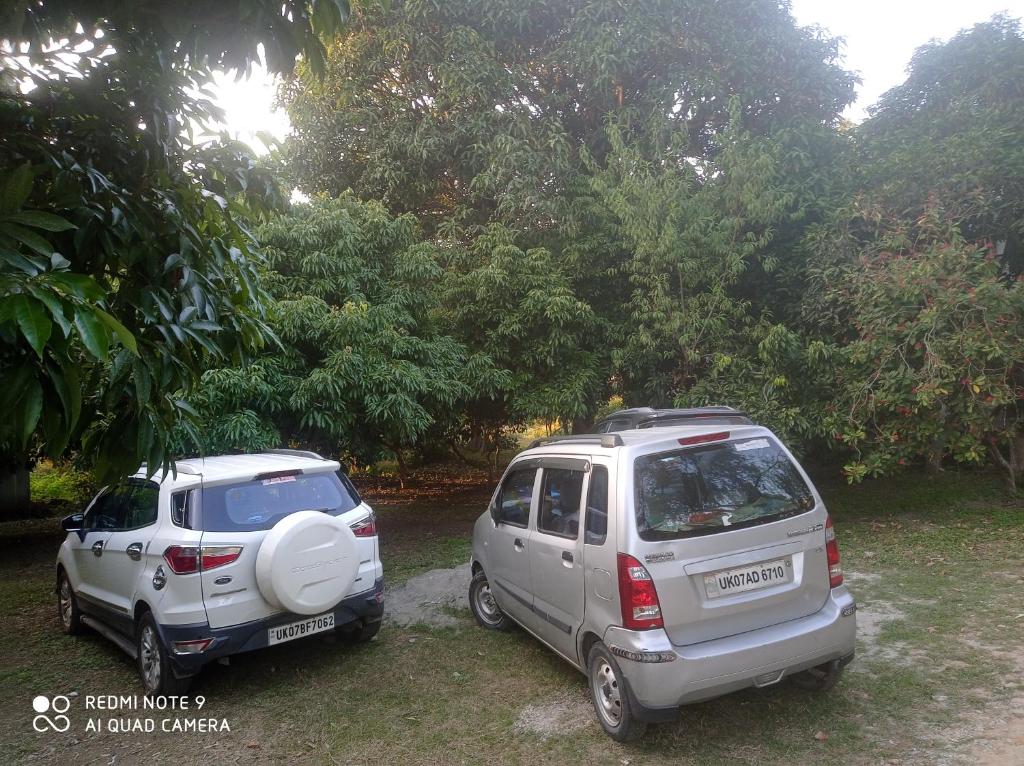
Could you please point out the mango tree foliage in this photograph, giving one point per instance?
(364, 366)
(950, 135)
(933, 365)
(518, 309)
(482, 111)
(126, 266)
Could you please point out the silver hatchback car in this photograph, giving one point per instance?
(670, 565)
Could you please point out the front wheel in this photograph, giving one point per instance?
(485, 608)
(158, 679)
(612, 699)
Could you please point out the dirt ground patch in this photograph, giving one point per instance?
(429, 598)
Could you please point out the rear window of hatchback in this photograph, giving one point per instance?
(716, 487)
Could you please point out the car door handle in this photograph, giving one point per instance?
(567, 556)
(518, 544)
(134, 551)
(97, 548)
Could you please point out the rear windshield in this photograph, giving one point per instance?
(260, 504)
(709, 489)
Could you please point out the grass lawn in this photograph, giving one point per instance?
(937, 566)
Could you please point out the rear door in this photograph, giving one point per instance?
(556, 555)
(510, 540)
(733, 536)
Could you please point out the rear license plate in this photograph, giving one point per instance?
(753, 577)
(281, 633)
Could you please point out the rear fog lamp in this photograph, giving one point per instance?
(195, 646)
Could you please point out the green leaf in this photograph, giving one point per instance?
(93, 332)
(16, 189)
(31, 408)
(27, 237)
(122, 332)
(37, 219)
(32, 319)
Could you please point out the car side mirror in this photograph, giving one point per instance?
(73, 523)
(495, 517)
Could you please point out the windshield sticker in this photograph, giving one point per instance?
(755, 444)
(277, 480)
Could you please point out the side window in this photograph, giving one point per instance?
(597, 507)
(560, 498)
(181, 509)
(141, 506)
(515, 497)
(108, 511)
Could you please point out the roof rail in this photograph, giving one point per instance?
(605, 440)
(294, 453)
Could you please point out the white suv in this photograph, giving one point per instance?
(223, 555)
(670, 565)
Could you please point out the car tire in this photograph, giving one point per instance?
(612, 698)
(67, 605)
(360, 634)
(484, 606)
(820, 678)
(158, 679)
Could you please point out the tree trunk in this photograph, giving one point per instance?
(14, 491)
(458, 453)
(1012, 463)
(934, 459)
(403, 471)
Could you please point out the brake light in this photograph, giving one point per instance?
(366, 527)
(189, 559)
(639, 599)
(214, 556)
(835, 569)
(704, 438)
(182, 559)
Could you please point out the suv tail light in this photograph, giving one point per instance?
(188, 559)
(365, 527)
(639, 599)
(835, 569)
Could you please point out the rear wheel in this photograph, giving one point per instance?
(820, 678)
(158, 679)
(67, 606)
(611, 696)
(485, 608)
(359, 634)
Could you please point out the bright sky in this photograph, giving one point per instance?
(880, 37)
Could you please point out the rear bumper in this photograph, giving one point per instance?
(683, 674)
(365, 607)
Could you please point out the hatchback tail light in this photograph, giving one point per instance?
(365, 527)
(639, 599)
(188, 559)
(835, 569)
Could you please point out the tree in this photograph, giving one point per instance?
(482, 112)
(365, 368)
(631, 146)
(950, 136)
(125, 261)
(517, 309)
(934, 358)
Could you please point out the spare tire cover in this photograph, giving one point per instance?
(307, 562)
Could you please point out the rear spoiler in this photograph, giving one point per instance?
(605, 440)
